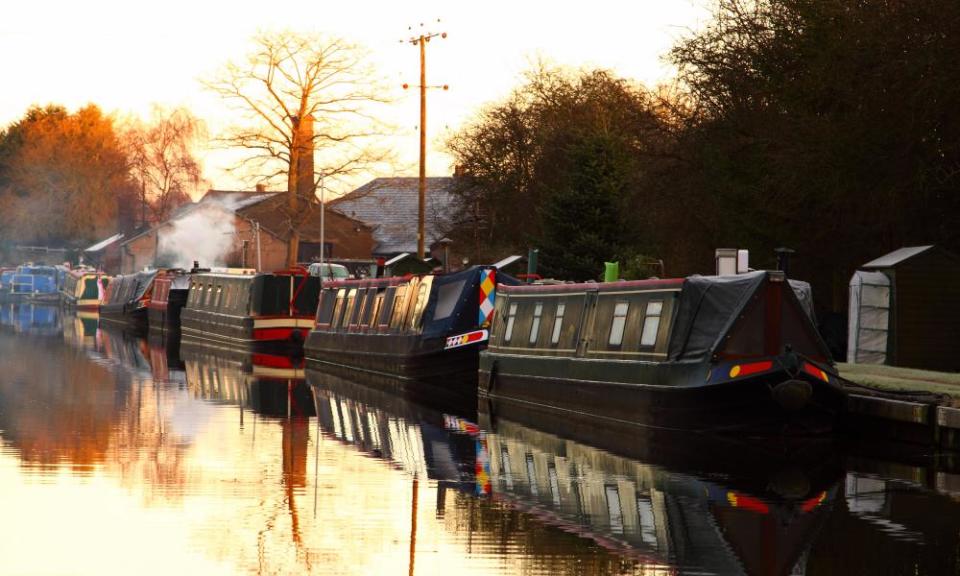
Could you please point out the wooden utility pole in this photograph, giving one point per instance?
(421, 41)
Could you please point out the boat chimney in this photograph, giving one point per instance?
(611, 271)
(783, 259)
(532, 263)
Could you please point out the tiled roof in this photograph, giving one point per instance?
(390, 206)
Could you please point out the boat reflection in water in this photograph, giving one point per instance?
(30, 318)
(268, 384)
(689, 503)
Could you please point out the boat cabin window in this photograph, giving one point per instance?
(399, 306)
(348, 307)
(651, 323)
(558, 323)
(374, 315)
(511, 317)
(619, 323)
(360, 301)
(208, 298)
(418, 295)
(447, 297)
(328, 301)
(386, 307)
(535, 326)
(368, 307)
(219, 299)
(338, 308)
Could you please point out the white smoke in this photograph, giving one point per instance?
(206, 234)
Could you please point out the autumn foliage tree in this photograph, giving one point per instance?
(61, 175)
(302, 98)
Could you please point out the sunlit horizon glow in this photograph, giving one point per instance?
(125, 57)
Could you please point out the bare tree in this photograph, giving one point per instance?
(303, 95)
(161, 159)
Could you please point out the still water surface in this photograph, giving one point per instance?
(125, 455)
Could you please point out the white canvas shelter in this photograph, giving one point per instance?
(869, 320)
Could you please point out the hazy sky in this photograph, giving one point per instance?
(126, 55)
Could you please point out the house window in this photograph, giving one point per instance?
(651, 323)
(558, 323)
(619, 322)
(535, 327)
(511, 316)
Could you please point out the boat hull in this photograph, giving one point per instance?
(677, 397)
(405, 356)
(246, 331)
(121, 314)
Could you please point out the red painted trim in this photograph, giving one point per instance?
(283, 316)
(272, 334)
(816, 371)
(589, 286)
(369, 282)
(273, 361)
(755, 368)
(748, 503)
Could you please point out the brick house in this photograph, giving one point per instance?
(244, 230)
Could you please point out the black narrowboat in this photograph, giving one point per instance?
(248, 308)
(170, 291)
(427, 327)
(126, 299)
(701, 353)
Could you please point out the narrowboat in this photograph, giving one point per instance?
(84, 289)
(426, 328)
(126, 299)
(248, 309)
(168, 297)
(31, 283)
(701, 353)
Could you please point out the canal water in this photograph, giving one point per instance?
(126, 455)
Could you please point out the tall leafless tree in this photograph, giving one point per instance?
(303, 96)
(160, 153)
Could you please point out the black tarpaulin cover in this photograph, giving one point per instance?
(715, 310)
(144, 280)
(709, 305)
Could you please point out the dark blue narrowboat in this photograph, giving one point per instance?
(427, 327)
(30, 283)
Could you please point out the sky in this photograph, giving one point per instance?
(126, 56)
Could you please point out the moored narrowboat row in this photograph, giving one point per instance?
(248, 308)
(703, 353)
(428, 327)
